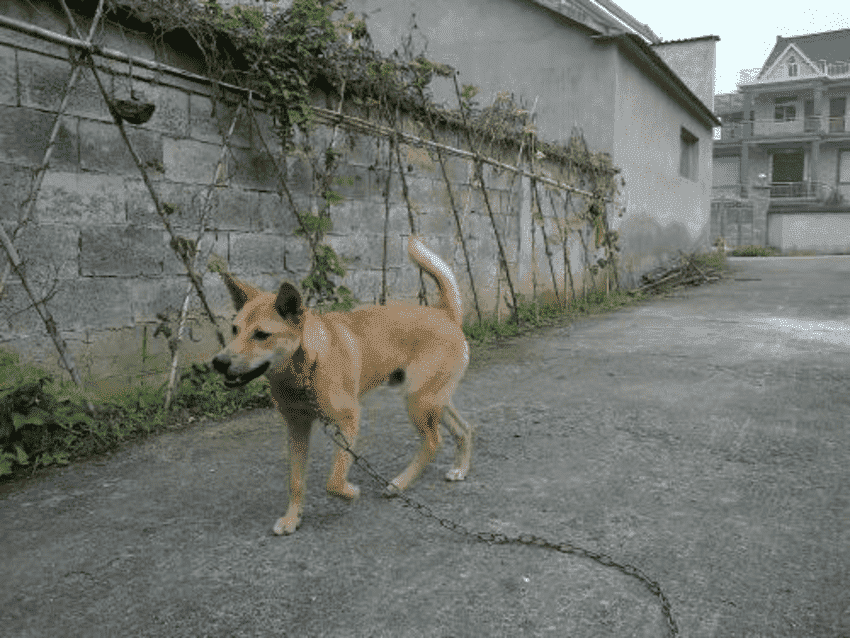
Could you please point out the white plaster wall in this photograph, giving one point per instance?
(664, 212)
(819, 232)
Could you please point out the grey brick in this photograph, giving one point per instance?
(253, 254)
(237, 209)
(275, 213)
(8, 77)
(189, 161)
(126, 252)
(102, 148)
(365, 250)
(86, 198)
(186, 201)
(49, 251)
(150, 296)
(93, 302)
(14, 188)
(42, 80)
(24, 134)
(206, 128)
(254, 169)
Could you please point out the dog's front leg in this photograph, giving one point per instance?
(348, 420)
(299, 440)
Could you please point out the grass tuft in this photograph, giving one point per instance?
(44, 421)
(755, 251)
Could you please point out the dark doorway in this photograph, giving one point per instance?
(788, 166)
(787, 174)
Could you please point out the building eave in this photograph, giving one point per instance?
(634, 48)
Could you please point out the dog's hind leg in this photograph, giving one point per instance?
(425, 414)
(462, 432)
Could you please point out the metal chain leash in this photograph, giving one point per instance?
(495, 538)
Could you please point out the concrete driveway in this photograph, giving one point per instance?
(702, 438)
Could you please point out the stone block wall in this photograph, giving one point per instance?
(741, 222)
(96, 249)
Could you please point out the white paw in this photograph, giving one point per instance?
(455, 475)
(287, 525)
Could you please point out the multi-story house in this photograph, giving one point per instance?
(785, 137)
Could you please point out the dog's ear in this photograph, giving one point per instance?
(240, 292)
(288, 303)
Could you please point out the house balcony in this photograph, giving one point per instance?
(772, 128)
(801, 191)
(785, 194)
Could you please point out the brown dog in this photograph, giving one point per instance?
(343, 355)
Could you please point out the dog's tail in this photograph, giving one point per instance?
(429, 262)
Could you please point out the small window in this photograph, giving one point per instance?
(689, 159)
(786, 109)
(792, 67)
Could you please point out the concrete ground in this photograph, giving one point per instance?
(701, 437)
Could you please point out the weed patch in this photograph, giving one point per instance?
(754, 251)
(536, 315)
(46, 422)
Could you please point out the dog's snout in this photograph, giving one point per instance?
(221, 362)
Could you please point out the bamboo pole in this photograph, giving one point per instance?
(405, 191)
(14, 260)
(480, 177)
(29, 203)
(41, 308)
(204, 212)
(546, 241)
(453, 205)
(175, 240)
(383, 299)
(565, 239)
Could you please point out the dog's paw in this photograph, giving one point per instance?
(455, 475)
(392, 490)
(348, 491)
(287, 525)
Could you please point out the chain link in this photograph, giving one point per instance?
(496, 538)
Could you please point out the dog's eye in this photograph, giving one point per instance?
(234, 330)
(262, 336)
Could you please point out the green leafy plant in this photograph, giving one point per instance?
(38, 417)
(754, 251)
(46, 422)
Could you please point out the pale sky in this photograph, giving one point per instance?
(747, 30)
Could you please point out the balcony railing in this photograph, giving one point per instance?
(792, 189)
(735, 131)
(789, 191)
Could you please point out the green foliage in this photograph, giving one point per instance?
(314, 224)
(713, 259)
(534, 315)
(38, 417)
(319, 285)
(754, 251)
(46, 422)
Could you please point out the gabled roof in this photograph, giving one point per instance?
(832, 46)
(791, 48)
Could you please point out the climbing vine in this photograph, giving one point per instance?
(316, 47)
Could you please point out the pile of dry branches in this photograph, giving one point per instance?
(684, 272)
